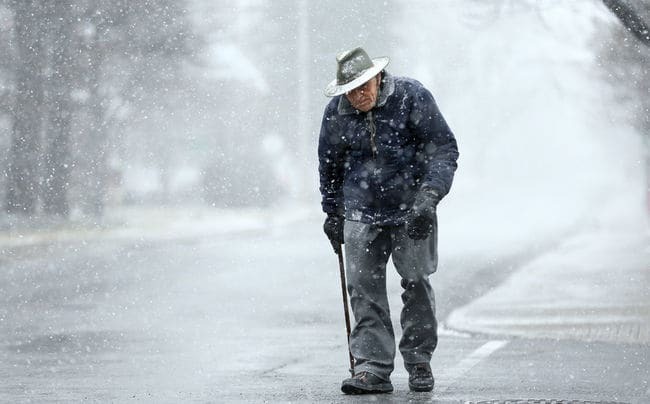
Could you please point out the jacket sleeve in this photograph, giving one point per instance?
(437, 148)
(331, 160)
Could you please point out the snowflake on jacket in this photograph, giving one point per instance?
(372, 164)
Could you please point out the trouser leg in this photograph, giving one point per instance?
(415, 260)
(372, 341)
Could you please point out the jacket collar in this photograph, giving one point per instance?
(387, 89)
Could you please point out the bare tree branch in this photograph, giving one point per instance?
(630, 19)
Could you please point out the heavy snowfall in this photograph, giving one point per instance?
(161, 229)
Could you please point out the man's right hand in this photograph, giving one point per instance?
(333, 228)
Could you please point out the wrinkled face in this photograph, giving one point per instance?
(364, 97)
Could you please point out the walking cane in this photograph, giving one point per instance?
(344, 289)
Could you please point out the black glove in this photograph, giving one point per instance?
(420, 221)
(333, 228)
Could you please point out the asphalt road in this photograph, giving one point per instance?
(257, 317)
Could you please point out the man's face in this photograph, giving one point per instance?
(364, 97)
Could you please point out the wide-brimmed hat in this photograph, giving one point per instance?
(354, 68)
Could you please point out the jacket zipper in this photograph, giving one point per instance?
(373, 130)
(373, 145)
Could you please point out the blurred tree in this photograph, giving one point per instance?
(9, 58)
(627, 60)
(235, 170)
(633, 17)
(57, 159)
(135, 52)
(27, 111)
(625, 57)
(86, 58)
(7, 63)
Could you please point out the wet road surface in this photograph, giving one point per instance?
(255, 317)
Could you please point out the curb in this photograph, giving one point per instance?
(594, 287)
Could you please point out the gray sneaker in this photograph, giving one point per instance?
(420, 377)
(366, 383)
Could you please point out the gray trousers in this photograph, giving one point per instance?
(367, 249)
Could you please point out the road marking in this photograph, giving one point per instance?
(452, 375)
(448, 332)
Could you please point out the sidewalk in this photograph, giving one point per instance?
(593, 287)
(153, 223)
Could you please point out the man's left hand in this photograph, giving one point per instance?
(420, 222)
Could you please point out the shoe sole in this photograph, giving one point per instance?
(364, 389)
(420, 389)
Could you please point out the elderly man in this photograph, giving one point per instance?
(386, 158)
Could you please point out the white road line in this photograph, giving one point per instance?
(452, 375)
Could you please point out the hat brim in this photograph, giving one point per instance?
(333, 89)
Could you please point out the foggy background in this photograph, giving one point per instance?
(160, 225)
(107, 105)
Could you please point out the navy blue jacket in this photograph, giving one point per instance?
(374, 179)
